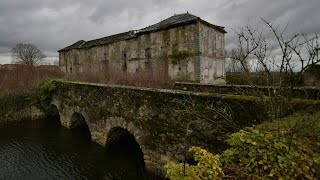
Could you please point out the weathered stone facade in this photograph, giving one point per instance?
(184, 47)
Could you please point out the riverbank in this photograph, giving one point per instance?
(18, 107)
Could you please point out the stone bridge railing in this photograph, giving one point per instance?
(163, 122)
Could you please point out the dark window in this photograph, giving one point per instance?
(124, 64)
(148, 53)
(105, 56)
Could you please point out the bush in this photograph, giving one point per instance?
(45, 92)
(284, 149)
(208, 167)
(254, 154)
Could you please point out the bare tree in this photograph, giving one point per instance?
(283, 58)
(28, 54)
(234, 66)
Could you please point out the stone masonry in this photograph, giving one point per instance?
(183, 47)
(165, 123)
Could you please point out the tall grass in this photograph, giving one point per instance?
(15, 78)
(143, 78)
(23, 78)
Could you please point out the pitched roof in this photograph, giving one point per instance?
(108, 39)
(76, 45)
(176, 20)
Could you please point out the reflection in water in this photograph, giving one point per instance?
(44, 150)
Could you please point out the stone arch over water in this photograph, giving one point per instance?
(122, 133)
(53, 110)
(78, 123)
(54, 114)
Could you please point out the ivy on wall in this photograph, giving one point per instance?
(178, 56)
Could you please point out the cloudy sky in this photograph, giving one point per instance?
(52, 24)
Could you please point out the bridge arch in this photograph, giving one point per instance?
(122, 142)
(119, 131)
(53, 111)
(54, 115)
(78, 123)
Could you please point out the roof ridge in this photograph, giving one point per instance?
(175, 20)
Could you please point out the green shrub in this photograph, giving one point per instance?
(208, 167)
(46, 91)
(178, 56)
(255, 154)
(284, 149)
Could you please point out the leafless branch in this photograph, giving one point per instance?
(28, 54)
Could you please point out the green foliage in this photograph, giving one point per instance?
(283, 149)
(178, 56)
(14, 103)
(15, 107)
(208, 167)
(257, 154)
(46, 91)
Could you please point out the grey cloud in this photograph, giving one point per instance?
(52, 25)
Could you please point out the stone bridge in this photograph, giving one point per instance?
(164, 123)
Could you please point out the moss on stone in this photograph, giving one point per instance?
(178, 56)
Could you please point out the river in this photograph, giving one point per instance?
(45, 150)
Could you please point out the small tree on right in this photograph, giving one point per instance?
(280, 58)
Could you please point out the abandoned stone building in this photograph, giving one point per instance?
(183, 47)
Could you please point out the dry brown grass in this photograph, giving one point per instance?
(15, 78)
(22, 77)
(141, 78)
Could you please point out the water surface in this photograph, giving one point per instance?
(45, 150)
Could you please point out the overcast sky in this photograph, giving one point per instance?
(52, 24)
